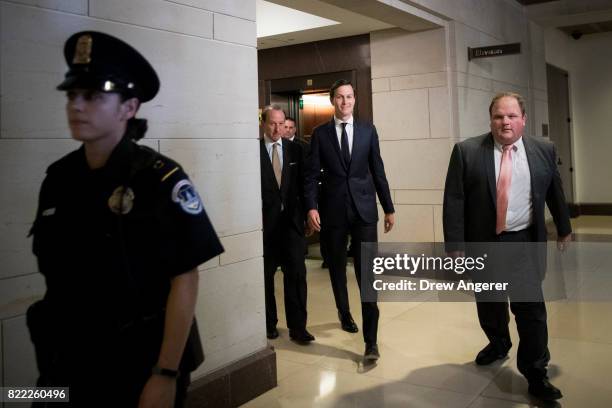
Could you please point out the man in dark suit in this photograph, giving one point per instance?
(282, 170)
(290, 134)
(496, 188)
(353, 173)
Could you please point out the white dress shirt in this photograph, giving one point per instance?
(520, 207)
(349, 132)
(269, 146)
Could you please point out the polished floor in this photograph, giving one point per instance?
(427, 352)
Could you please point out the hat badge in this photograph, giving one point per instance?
(82, 52)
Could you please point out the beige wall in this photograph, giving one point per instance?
(411, 112)
(589, 65)
(205, 117)
(427, 96)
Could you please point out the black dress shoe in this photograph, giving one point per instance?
(544, 390)
(301, 336)
(371, 352)
(490, 354)
(323, 265)
(347, 322)
(272, 333)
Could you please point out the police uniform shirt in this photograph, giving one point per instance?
(109, 240)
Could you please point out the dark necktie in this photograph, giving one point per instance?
(344, 146)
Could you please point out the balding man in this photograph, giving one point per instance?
(282, 169)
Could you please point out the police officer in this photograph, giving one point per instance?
(119, 233)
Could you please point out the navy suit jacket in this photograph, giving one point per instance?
(469, 212)
(361, 180)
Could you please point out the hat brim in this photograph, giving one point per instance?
(80, 81)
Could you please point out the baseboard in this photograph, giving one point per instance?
(590, 209)
(235, 384)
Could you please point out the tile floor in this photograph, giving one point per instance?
(427, 352)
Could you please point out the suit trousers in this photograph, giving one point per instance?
(335, 240)
(533, 355)
(286, 250)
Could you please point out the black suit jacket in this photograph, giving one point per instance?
(290, 194)
(304, 145)
(362, 179)
(469, 213)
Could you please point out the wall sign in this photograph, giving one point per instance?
(494, 51)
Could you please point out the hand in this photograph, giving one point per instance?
(389, 221)
(158, 392)
(307, 230)
(456, 254)
(314, 221)
(563, 242)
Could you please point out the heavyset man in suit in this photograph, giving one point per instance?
(496, 188)
(282, 169)
(353, 173)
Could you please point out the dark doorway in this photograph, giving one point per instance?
(560, 125)
(306, 99)
(310, 68)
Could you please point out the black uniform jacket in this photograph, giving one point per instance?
(108, 241)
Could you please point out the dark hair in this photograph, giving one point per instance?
(338, 84)
(264, 112)
(518, 97)
(136, 128)
(291, 119)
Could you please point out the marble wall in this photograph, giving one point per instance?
(205, 117)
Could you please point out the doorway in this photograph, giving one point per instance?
(560, 127)
(305, 98)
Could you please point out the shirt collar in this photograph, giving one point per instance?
(120, 160)
(518, 145)
(269, 141)
(337, 121)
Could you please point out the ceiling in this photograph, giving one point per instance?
(283, 22)
(575, 17)
(288, 22)
(529, 2)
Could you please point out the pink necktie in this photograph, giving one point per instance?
(503, 188)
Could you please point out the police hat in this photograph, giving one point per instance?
(105, 63)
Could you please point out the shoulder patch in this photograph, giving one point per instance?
(184, 194)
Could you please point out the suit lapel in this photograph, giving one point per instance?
(285, 171)
(333, 138)
(489, 159)
(358, 141)
(531, 162)
(266, 163)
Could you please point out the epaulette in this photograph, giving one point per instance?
(162, 165)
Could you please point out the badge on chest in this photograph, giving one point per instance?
(122, 200)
